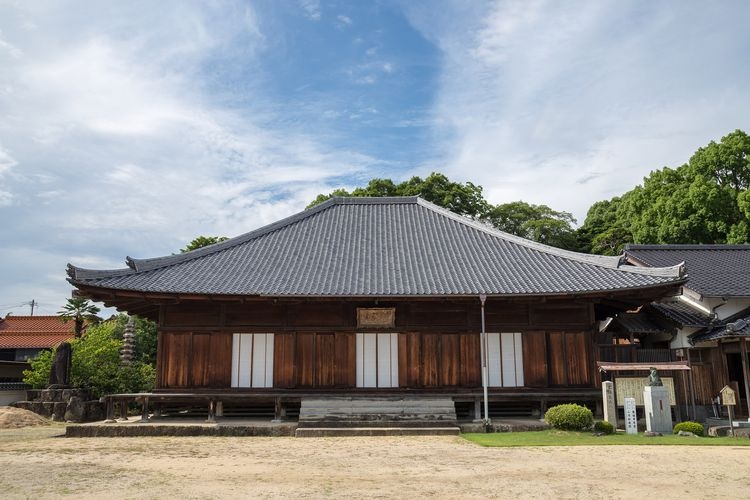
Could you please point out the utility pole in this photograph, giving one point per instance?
(32, 304)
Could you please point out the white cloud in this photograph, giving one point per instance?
(123, 149)
(311, 8)
(344, 20)
(6, 163)
(553, 104)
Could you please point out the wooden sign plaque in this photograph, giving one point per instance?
(376, 317)
(728, 397)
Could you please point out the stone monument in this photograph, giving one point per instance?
(631, 418)
(59, 374)
(657, 407)
(608, 399)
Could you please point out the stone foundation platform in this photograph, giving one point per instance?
(62, 405)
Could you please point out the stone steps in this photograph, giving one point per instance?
(374, 412)
(375, 431)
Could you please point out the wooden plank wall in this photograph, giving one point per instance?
(315, 343)
(195, 360)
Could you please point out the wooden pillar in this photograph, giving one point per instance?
(745, 375)
(477, 410)
(123, 409)
(110, 409)
(279, 411)
(211, 411)
(724, 367)
(144, 409)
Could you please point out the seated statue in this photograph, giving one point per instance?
(654, 380)
(59, 375)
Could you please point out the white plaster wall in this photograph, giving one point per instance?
(680, 340)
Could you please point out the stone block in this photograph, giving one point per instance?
(657, 409)
(75, 411)
(608, 400)
(94, 411)
(58, 414)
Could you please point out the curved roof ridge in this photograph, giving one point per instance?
(168, 260)
(76, 272)
(149, 264)
(610, 262)
(687, 246)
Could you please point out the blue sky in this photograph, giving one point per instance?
(128, 128)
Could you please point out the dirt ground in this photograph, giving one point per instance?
(34, 463)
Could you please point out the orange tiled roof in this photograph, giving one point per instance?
(33, 331)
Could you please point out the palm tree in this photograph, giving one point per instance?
(81, 311)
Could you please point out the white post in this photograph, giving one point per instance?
(631, 419)
(483, 354)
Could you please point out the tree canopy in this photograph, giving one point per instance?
(81, 312)
(705, 200)
(202, 241)
(536, 222)
(96, 365)
(465, 199)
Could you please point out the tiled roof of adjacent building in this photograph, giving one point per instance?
(33, 332)
(377, 247)
(738, 326)
(715, 270)
(682, 314)
(635, 322)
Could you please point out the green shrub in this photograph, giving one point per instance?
(95, 365)
(693, 427)
(604, 427)
(38, 375)
(570, 417)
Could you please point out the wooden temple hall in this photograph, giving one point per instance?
(379, 300)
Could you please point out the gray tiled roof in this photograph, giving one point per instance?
(683, 314)
(640, 323)
(715, 270)
(378, 247)
(738, 327)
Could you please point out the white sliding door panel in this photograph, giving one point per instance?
(509, 359)
(370, 360)
(494, 362)
(252, 360)
(384, 360)
(377, 359)
(517, 340)
(360, 354)
(505, 359)
(245, 359)
(235, 359)
(258, 367)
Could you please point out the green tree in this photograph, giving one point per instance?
(202, 241)
(702, 201)
(145, 337)
(95, 365)
(81, 312)
(535, 222)
(465, 199)
(605, 230)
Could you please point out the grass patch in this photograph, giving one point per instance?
(555, 437)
